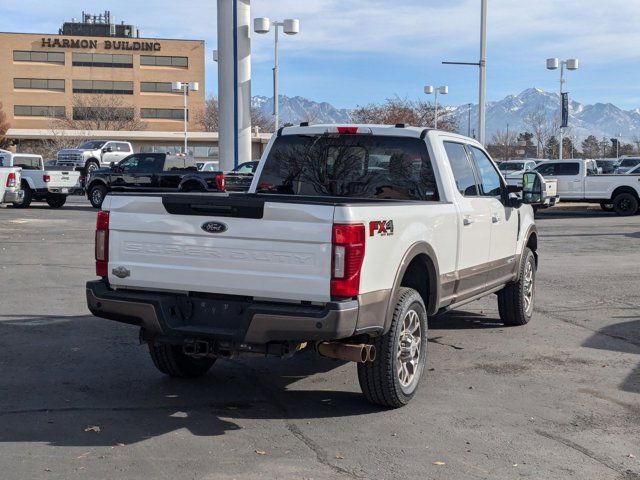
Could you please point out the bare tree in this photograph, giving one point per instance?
(209, 118)
(100, 112)
(542, 129)
(503, 145)
(636, 142)
(260, 120)
(398, 110)
(4, 126)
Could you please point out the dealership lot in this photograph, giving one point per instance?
(559, 398)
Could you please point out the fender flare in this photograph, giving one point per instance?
(433, 274)
(192, 179)
(532, 230)
(95, 182)
(92, 159)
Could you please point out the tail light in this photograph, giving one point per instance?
(46, 178)
(348, 255)
(102, 244)
(220, 182)
(11, 180)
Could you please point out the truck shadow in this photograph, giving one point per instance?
(76, 208)
(64, 378)
(621, 337)
(461, 320)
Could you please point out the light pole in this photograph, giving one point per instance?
(553, 64)
(442, 90)
(290, 26)
(185, 87)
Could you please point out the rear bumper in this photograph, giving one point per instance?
(234, 319)
(12, 196)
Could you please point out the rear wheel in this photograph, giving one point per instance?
(56, 200)
(625, 204)
(392, 379)
(96, 195)
(171, 360)
(26, 199)
(515, 301)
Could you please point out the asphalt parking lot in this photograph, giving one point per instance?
(559, 398)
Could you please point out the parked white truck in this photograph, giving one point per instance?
(349, 237)
(10, 190)
(581, 181)
(94, 154)
(51, 185)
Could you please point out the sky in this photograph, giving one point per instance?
(353, 52)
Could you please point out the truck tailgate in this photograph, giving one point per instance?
(271, 250)
(62, 178)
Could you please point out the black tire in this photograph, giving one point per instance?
(625, 204)
(606, 206)
(90, 166)
(170, 360)
(26, 199)
(513, 306)
(56, 200)
(380, 380)
(96, 195)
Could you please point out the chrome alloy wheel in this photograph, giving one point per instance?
(527, 286)
(96, 196)
(409, 345)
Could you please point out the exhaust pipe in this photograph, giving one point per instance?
(359, 353)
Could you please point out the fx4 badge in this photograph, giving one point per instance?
(383, 228)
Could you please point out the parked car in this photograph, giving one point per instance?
(94, 154)
(240, 178)
(634, 171)
(579, 181)
(152, 172)
(51, 185)
(627, 163)
(322, 254)
(512, 170)
(208, 166)
(607, 166)
(10, 190)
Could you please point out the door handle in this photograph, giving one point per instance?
(577, 180)
(466, 221)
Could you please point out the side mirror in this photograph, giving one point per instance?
(107, 150)
(534, 190)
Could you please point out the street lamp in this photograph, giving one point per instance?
(442, 90)
(290, 26)
(185, 87)
(553, 64)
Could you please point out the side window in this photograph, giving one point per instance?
(548, 169)
(111, 145)
(569, 168)
(129, 164)
(592, 168)
(122, 147)
(150, 164)
(489, 176)
(462, 169)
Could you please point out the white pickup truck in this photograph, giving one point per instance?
(349, 237)
(580, 181)
(93, 154)
(10, 190)
(52, 185)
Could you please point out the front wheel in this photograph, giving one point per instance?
(171, 360)
(515, 301)
(56, 200)
(625, 204)
(90, 166)
(96, 195)
(393, 378)
(27, 198)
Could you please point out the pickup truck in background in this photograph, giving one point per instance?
(512, 170)
(51, 185)
(240, 178)
(10, 190)
(580, 181)
(627, 163)
(349, 237)
(93, 154)
(151, 172)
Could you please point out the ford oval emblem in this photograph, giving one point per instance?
(214, 227)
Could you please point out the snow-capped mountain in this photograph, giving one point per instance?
(599, 119)
(298, 109)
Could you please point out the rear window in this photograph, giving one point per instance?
(355, 166)
(27, 163)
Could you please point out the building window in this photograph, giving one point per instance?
(102, 60)
(103, 113)
(42, 57)
(38, 111)
(39, 84)
(163, 113)
(160, 61)
(158, 87)
(102, 86)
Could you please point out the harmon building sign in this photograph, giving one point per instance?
(130, 45)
